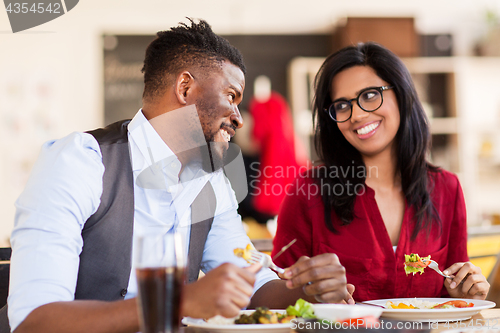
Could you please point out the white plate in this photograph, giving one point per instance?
(338, 312)
(240, 328)
(432, 314)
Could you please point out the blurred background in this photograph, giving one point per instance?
(82, 71)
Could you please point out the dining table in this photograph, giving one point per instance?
(488, 319)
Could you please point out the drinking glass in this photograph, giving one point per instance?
(160, 270)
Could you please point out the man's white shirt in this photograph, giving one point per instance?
(64, 190)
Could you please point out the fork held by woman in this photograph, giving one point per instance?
(434, 265)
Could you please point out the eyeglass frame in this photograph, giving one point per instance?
(380, 89)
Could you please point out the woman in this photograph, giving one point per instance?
(376, 198)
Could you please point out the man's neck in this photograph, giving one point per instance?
(180, 129)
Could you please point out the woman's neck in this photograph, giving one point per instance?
(381, 170)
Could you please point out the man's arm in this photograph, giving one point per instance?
(275, 295)
(63, 190)
(227, 233)
(318, 279)
(83, 316)
(223, 291)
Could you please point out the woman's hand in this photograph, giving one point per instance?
(468, 281)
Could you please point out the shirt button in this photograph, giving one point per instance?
(173, 165)
(123, 292)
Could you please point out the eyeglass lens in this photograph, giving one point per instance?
(368, 100)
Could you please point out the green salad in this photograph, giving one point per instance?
(414, 263)
(262, 315)
(301, 309)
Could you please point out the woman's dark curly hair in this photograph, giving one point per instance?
(412, 139)
(183, 47)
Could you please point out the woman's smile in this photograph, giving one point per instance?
(367, 130)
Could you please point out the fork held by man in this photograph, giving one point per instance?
(264, 260)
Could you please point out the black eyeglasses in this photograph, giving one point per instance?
(369, 100)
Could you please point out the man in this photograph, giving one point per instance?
(89, 193)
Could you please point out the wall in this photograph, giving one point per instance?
(51, 76)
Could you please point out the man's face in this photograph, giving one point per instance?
(217, 105)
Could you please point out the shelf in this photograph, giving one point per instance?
(429, 65)
(446, 125)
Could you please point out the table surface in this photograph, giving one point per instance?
(487, 319)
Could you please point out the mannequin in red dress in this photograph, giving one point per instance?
(274, 134)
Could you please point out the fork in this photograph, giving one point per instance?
(265, 260)
(434, 265)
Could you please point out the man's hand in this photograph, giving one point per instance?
(350, 290)
(322, 277)
(223, 291)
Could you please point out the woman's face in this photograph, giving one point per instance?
(371, 133)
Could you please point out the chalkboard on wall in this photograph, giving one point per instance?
(263, 54)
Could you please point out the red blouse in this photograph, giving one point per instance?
(364, 247)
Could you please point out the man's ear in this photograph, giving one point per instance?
(183, 86)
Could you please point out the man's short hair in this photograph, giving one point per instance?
(181, 48)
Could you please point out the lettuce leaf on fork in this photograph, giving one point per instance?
(414, 263)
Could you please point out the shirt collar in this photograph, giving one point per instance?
(152, 147)
(161, 161)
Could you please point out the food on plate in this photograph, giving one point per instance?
(391, 305)
(420, 304)
(244, 253)
(454, 304)
(263, 315)
(301, 309)
(367, 322)
(414, 263)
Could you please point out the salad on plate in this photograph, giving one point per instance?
(420, 304)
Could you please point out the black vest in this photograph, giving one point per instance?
(105, 261)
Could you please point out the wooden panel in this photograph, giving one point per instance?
(396, 33)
